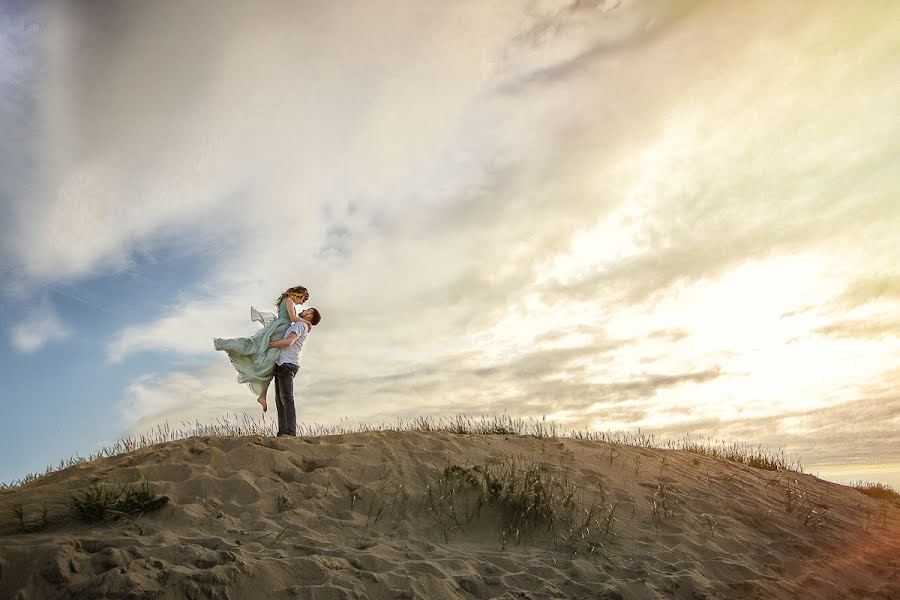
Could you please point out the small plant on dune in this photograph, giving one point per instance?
(581, 527)
(791, 496)
(665, 463)
(710, 523)
(100, 500)
(613, 454)
(812, 518)
(388, 496)
(880, 516)
(798, 502)
(17, 512)
(664, 504)
(137, 498)
(610, 518)
(283, 503)
(575, 531)
(399, 502)
(25, 521)
(454, 499)
(353, 492)
(530, 498)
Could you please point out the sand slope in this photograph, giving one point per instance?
(271, 518)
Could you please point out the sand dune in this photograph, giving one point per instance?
(374, 515)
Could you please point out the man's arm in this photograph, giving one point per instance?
(285, 342)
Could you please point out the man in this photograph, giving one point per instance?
(286, 368)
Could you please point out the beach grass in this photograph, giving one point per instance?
(879, 491)
(753, 455)
(531, 499)
(100, 500)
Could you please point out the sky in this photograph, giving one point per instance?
(659, 215)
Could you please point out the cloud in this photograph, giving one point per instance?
(828, 436)
(865, 329)
(175, 398)
(203, 321)
(695, 192)
(41, 326)
(526, 387)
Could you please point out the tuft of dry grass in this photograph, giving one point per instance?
(757, 456)
(879, 491)
(100, 500)
(664, 504)
(93, 501)
(529, 498)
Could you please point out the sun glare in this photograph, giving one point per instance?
(759, 327)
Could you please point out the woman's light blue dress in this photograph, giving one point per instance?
(252, 357)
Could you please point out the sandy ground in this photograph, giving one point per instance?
(348, 516)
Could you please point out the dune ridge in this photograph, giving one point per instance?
(380, 515)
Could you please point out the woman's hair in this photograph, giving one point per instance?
(297, 290)
(316, 317)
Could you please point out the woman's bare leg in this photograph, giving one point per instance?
(262, 396)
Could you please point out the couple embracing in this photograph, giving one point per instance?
(274, 353)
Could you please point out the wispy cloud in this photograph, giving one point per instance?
(41, 326)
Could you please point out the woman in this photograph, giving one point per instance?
(252, 357)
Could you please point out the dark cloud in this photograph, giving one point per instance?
(22, 28)
(868, 289)
(614, 28)
(824, 436)
(539, 382)
(872, 328)
(127, 72)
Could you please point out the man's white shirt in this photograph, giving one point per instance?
(291, 354)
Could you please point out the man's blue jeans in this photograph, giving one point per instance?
(284, 398)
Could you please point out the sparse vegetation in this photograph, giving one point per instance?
(101, 500)
(529, 498)
(708, 520)
(664, 504)
(352, 492)
(29, 519)
(388, 495)
(879, 491)
(798, 501)
(283, 503)
(96, 501)
(752, 455)
(18, 513)
(245, 425)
